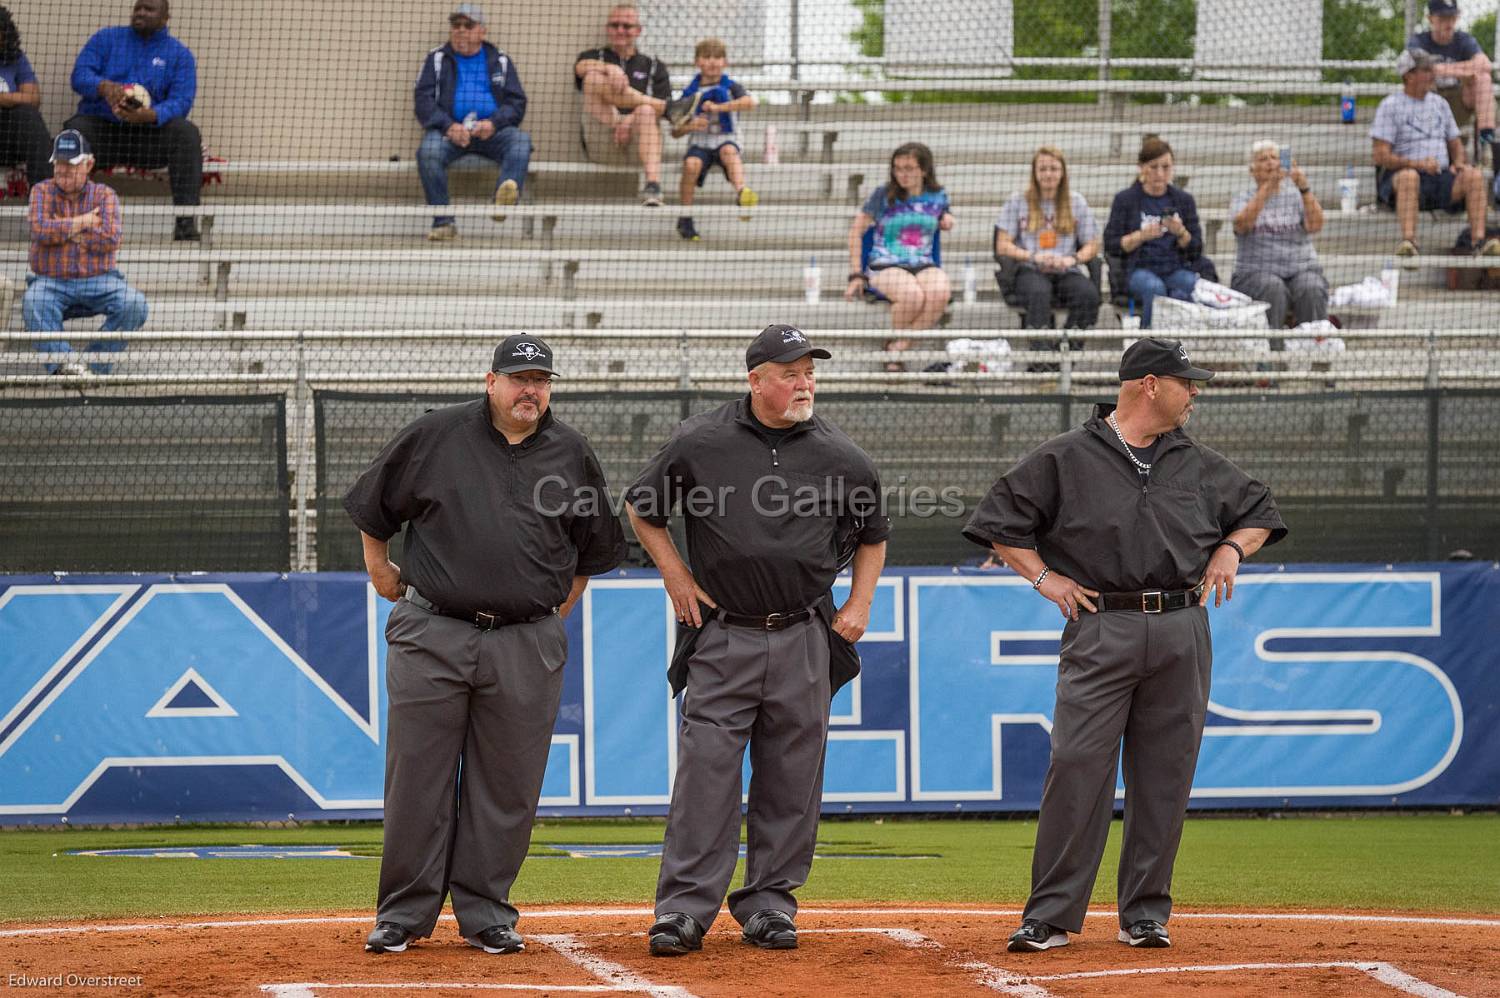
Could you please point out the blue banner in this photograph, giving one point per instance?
(262, 697)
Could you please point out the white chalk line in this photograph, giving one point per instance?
(1493, 923)
(607, 970)
(1385, 973)
(310, 989)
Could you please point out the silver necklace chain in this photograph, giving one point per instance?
(1140, 465)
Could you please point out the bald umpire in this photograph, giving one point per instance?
(776, 500)
(1127, 525)
(506, 519)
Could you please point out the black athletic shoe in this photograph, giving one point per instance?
(674, 934)
(185, 231)
(770, 929)
(497, 939)
(686, 229)
(387, 937)
(651, 194)
(1146, 933)
(1035, 935)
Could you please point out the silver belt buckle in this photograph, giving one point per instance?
(484, 621)
(1146, 601)
(774, 621)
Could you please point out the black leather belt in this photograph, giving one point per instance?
(1151, 600)
(481, 619)
(774, 622)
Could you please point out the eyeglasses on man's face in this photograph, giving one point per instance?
(621, 25)
(542, 381)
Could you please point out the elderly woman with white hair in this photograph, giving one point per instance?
(1274, 223)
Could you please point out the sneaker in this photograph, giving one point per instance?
(387, 937)
(1408, 252)
(1146, 933)
(680, 111)
(444, 233)
(674, 934)
(1490, 247)
(497, 939)
(71, 369)
(506, 194)
(1487, 135)
(651, 194)
(746, 199)
(1035, 935)
(770, 928)
(185, 231)
(686, 229)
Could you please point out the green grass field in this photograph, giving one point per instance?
(1427, 862)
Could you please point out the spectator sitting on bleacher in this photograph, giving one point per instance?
(23, 134)
(470, 101)
(625, 95)
(1419, 158)
(1153, 226)
(1274, 223)
(149, 132)
(75, 234)
(713, 99)
(1463, 70)
(906, 211)
(1051, 233)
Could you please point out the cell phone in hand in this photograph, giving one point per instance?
(1286, 159)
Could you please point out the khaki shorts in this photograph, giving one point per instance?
(600, 146)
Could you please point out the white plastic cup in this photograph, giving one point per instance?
(1128, 322)
(1348, 195)
(812, 283)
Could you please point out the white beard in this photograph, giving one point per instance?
(799, 412)
(525, 413)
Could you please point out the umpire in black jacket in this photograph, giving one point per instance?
(775, 499)
(1131, 521)
(506, 518)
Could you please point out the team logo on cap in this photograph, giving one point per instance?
(792, 336)
(530, 351)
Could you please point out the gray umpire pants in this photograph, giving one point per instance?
(1305, 295)
(467, 735)
(769, 688)
(1144, 678)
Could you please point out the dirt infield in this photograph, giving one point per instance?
(864, 951)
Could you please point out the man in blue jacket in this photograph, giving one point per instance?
(121, 127)
(470, 100)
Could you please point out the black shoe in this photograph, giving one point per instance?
(651, 194)
(770, 929)
(185, 231)
(387, 937)
(686, 229)
(674, 934)
(1035, 935)
(497, 939)
(1146, 933)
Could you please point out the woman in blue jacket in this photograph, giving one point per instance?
(1154, 227)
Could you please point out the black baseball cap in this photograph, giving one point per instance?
(1442, 7)
(782, 345)
(523, 352)
(1152, 356)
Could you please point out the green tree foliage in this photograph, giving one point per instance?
(1484, 30)
(1363, 29)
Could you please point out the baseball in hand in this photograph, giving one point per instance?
(137, 96)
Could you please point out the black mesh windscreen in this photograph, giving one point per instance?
(144, 484)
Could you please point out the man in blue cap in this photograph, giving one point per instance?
(1463, 70)
(75, 235)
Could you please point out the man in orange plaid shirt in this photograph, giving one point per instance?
(75, 234)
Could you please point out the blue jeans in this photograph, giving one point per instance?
(50, 300)
(1144, 286)
(510, 147)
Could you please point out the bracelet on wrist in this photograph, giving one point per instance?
(1041, 578)
(1226, 542)
(1304, 191)
(855, 275)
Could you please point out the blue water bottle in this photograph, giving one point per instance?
(1346, 103)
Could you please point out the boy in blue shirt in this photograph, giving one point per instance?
(709, 123)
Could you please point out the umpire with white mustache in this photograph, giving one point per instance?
(775, 498)
(1127, 525)
(506, 518)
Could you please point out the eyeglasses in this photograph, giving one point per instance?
(464, 25)
(531, 380)
(621, 25)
